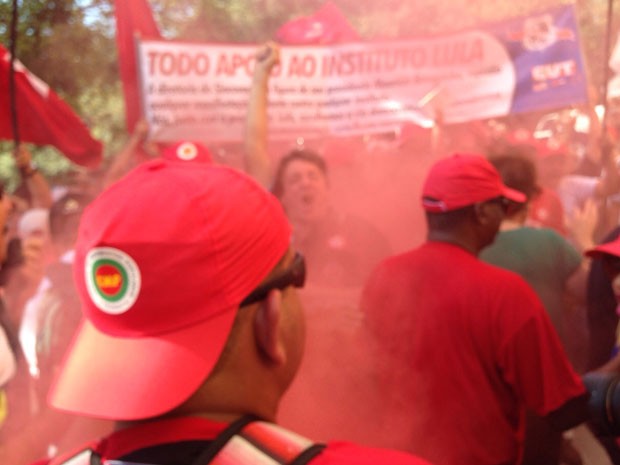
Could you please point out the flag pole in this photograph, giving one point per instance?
(12, 88)
(605, 143)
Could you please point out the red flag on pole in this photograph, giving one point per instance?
(133, 19)
(327, 26)
(42, 117)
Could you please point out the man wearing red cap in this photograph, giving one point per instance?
(466, 346)
(608, 254)
(603, 379)
(192, 327)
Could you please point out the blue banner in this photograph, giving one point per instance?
(546, 52)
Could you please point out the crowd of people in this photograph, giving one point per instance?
(178, 310)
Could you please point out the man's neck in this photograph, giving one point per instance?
(454, 239)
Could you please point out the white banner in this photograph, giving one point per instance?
(200, 92)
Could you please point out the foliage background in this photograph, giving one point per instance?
(70, 43)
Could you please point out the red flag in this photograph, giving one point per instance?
(327, 26)
(133, 19)
(42, 117)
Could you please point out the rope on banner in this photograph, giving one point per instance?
(12, 88)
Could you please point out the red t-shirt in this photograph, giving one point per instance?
(465, 346)
(123, 442)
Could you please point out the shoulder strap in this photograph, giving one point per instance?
(246, 441)
(308, 454)
(263, 443)
(249, 441)
(222, 439)
(83, 457)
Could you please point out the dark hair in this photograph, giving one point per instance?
(517, 172)
(447, 221)
(303, 155)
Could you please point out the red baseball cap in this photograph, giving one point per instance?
(163, 259)
(187, 151)
(610, 248)
(461, 180)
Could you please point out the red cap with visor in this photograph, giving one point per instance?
(461, 180)
(163, 259)
(609, 248)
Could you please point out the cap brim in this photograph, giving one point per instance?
(514, 195)
(610, 248)
(134, 378)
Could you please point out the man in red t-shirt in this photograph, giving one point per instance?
(465, 346)
(192, 327)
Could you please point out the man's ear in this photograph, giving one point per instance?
(267, 328)
(481, 213)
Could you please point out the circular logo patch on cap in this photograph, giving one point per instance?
(187, 151)
(113, 279)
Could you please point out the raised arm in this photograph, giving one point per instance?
(125, 158)
(35, 182)
(257, 163)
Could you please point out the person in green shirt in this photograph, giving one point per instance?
(549, 262)
(554, 268)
